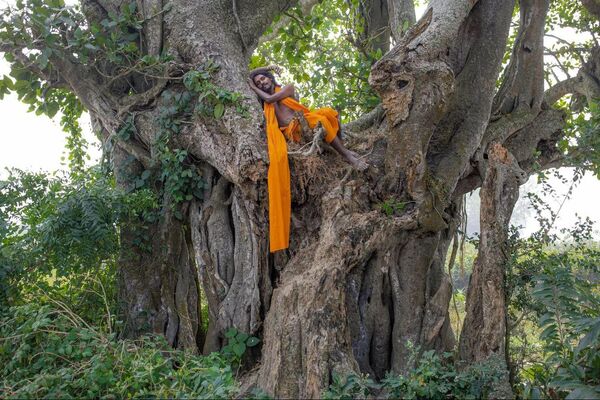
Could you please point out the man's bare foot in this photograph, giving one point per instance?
(354, 159)
(358, 163)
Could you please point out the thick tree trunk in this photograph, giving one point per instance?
(370, 283)
(484, 329)
(377, 25)
(357, 284)
(516, 113)
(353, 298)
(218, 246)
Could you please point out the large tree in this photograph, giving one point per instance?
(162, 83)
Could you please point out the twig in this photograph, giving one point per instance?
(104, 297)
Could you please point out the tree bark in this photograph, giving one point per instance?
(484, 329)
(401, 17)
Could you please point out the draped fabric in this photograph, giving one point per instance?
(280, 201)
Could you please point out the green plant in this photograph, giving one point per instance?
(211, 99)
(47, 350)
(392, 207)
(570, 324)
(237, 344)
(172, 167)
(349, 387)
(552, 286)
(258, 394)
(54, 227)
(435, 376)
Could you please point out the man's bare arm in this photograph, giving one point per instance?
(286, 91)
(274, 68)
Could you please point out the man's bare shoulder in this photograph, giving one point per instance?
(288, 90)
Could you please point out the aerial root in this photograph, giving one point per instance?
(315, 143)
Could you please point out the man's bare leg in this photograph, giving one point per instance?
(350, 156)
(339, 120)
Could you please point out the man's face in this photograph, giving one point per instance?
(264, 83)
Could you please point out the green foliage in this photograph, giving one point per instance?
(434, 376)
(58, 254)
(349, 387)
(46, 350)
(44, 32)
(56, 226)
(212, 99)
(173, 168)
(581, 140)
(567, 302)
(553, 292)
(258, 394)
(237, 344)
(572, 14)
(570, 323)
(76, 145)
(317, 53)
(52, 30)
(392, 207)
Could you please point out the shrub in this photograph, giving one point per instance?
(434, 376)
(49, 351)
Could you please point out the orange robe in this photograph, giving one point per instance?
(280, 199)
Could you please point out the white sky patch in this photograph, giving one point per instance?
(583, 203)
(32, 142)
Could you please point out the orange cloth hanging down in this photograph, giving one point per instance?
(280, 199)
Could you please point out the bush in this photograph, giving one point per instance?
(554, 310)
(435, 376)
(49, 351)
(54, 227)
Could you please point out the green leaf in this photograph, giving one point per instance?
(219, 110)
(51, 109)
(43, 58)
(231, 332)
(239, 349)
(590, 337)
(241, 337)
(584, 393)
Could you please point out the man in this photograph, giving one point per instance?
(263, 83)
(279, 107)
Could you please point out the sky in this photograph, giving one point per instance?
(37, 143)
(33, 142)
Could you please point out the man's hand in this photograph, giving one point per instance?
(252, 84)
(275, 68)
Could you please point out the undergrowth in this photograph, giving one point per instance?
(46, 350)
(434, 376)
(49, 351)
